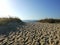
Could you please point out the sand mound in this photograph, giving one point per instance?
(49, 20)
(33, 34)
(4, 21)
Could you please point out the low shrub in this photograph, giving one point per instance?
(50, 21)
(4, 21)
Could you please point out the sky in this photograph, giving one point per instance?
(30, 9)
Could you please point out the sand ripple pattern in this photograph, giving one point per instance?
(33, 34)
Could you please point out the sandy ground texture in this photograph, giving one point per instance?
(30, 34)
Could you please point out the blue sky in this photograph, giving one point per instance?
(30, 9)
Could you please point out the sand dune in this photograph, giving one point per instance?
(30, 34)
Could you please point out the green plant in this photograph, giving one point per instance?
(4, 21)
(50, 20)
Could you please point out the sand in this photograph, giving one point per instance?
(30, 34)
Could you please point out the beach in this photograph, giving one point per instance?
(30, 34)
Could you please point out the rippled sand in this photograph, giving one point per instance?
(30, 34)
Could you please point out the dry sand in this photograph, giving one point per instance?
(30, 34)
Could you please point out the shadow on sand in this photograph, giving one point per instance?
(11, 27)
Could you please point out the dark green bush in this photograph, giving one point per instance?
(4, 21)
(50, 21)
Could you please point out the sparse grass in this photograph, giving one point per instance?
(30, 33)
(4, 21)
(50, 20)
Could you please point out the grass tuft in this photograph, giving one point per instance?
(4, 21)
(50, 20)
